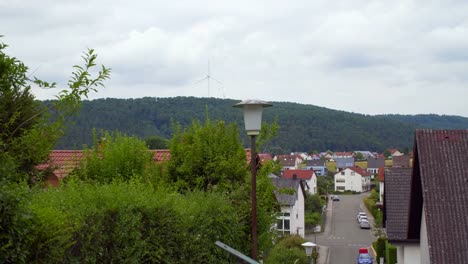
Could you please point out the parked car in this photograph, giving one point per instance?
(363, 218)
(364, 257)
(364, 224)
(335, 198)
(361, 214)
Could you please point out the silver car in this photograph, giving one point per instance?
(364, 224)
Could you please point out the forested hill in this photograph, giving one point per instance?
(432, 121)
(303, 127)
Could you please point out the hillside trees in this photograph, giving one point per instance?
(27, 131)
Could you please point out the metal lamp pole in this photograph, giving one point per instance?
(253, 123)
(253, 169)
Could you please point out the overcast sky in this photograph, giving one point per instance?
(370, 57)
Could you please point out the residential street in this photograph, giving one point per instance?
(342, 238)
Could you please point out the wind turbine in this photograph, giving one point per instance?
(208, 78)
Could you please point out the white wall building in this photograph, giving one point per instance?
(353, 179)
(291, 219)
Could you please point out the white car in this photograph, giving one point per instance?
(361, 214)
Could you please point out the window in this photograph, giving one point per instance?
(342, 173)
(283, 224)
(352, 173)
(340, 188)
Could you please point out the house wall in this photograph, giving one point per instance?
(381, 191)
(408, 254)
(423, 240)
(297, 214)
(312, 184)
(351, 182)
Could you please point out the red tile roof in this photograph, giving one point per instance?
(360, 171)
(161, 155)
(381, 174)
(62, 162)
(300, 174)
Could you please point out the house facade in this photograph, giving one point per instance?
(352, 179)
(290, 194)
(308, 176)
(288, 162)
(374, 164)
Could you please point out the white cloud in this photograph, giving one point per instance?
(362, 56)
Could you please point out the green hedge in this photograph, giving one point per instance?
(288, 250)
(390, 253)
(118, 223)
(379, 247)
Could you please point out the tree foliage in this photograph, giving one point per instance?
(288, 250)
(27, 131)
(207, 156)
(115, 156)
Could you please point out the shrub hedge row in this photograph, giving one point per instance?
(117, 223)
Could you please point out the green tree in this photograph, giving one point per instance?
(156, 142)
(207, 156)
(115, 156)
(267, 133)
(27, 131)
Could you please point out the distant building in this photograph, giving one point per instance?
(401, 161)
(353, 179)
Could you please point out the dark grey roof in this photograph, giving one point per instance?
(439, 184)
(401, 161)
(282, 197)
(344, 162)
(397, 194)
(375, 162)
(316, 163)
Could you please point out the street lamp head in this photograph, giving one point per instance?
(252, 115)
(308, 247)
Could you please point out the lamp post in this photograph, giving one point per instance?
(309, 247)
(253, 122)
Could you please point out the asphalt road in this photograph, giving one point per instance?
(343, 236)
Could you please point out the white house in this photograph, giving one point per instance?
(307, 175)
(290, 194)
(353, 179)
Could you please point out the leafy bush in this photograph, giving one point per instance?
(288, 250)
(129, 222)
(379, 246)
(116, 156)
(390, 253)
(16, 222)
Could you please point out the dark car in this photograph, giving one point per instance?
(335, 198)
